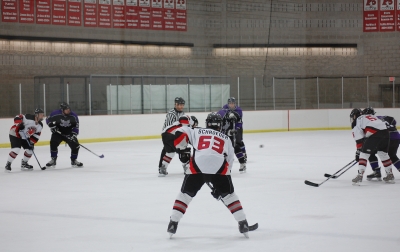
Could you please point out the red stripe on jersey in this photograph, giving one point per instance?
(18, 119)
(369, 130)
(226, 166)
(180, 138)
(359, 145)
(387, 163)
(173, 128)
(191, 167)
(33, 139)
(362, 162)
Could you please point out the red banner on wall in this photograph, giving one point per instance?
(43, 12)
(144, 14)
(371, 16)
(104, 13)
(157, 21)
(26, 11)
(132, 14)
(118, 13)
(74, 12)
(387, 16)
(9, 11)
(90, 13)
(59, 12)
(181, 20)
(169, 15)
(398, 15)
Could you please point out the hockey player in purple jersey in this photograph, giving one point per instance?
(371, 135)
(393, 145)
(233, 127)
(64, 126)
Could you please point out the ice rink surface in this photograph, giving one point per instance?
(118, 203)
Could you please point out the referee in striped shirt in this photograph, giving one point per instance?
(168, 151)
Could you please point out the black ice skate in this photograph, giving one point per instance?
(25, 166)
(8, 167)
(172, 227)
(162, 171)
(76, 164)
(244, 228)
(389, 179)
(242, 168)
(376, 174)
(357, 180)
(52, 162)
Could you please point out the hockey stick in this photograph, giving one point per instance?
(252, 227)
(67, 137)
(29, 144)
(340, 174)
(317, 185)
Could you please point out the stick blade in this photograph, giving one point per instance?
(330, 176)
(253, 227)
(310, 183)
(101, 156)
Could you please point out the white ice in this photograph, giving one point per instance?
(120, 204)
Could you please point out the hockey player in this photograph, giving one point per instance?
(371, 135)
(212, 160)
(393, 145)
(168, 151)
(31, 126)
(169, 138)
(233, 127)
(64, 126)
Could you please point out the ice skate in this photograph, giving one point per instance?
(357, 180)
(52, 162)
(25, 166)
(376, 174)
(76, 164)
(8, 167)
(242, 168)
(389, 179)
(162, 171)
(244, 228)
(172, 227)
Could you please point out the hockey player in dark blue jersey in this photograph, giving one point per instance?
(233, 127)
(64, 126)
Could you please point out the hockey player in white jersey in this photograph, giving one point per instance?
(26, 128)
(371, 135)
(211, 163)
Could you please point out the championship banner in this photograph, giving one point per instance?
(371, 16)
(90, 13)
(26, 11)
(169, 15)
(181, 20)
(144, 14)
(9, 11)
(387, 17)
(398, 15)
(74, 16)
(59, 12)
(118, 11)
(157, 21)
(105, 13)
(132, 14)
(43, 12)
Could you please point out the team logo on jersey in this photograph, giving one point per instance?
(65, 123)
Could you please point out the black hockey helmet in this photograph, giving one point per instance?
(195, 121)
(232, 100)
(354, 114)
(38, 111)
(64, 106)
(214, 121)
(368, 111)
(179, 100)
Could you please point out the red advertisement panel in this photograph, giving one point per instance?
(43, 12)
(132, 14)
(59, 12)
(26, 11)
(181, 20)
(387, 17)
(371, 16)
(157, 21)
(169, 15)
(144, 14)
(398, 15)
(118, 13)
(90, 13)
(74, 17)
(9, 11)
(105, 13)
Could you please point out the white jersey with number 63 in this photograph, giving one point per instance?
(213, 151)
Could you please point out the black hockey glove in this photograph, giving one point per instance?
(73, 137)
(358, 155)
(216, 194)
(184, 155)
(232, 132)
(53, 127)
(21, 126)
